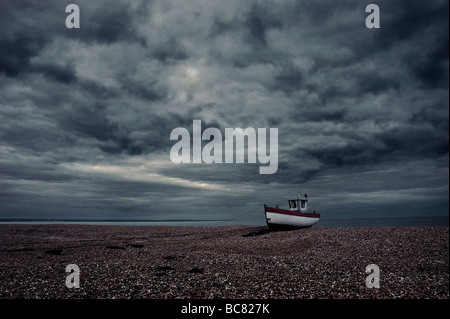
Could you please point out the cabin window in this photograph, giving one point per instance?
(292, 204)
(303, 204)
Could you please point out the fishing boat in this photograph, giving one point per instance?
(296, 216)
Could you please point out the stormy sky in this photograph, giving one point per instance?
(86, 114)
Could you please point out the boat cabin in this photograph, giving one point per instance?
(298, 204)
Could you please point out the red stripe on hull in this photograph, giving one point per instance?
(290, 212)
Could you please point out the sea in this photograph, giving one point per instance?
(332, 222)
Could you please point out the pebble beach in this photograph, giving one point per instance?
(245, 262)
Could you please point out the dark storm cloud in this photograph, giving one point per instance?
(415, 141)
(420, 19)
(430, 67)
(170, 51)
(90, 120)
(24, 40)
(107, 24)
(97, 89)
(432, 116)
(288, 79)
(404, 22)
(258, 21)
(144, 92)
(16, 52)
(20, 40)
(318, 115)
(362, 114)
(39, 170)
(115, 138)
(64, 74)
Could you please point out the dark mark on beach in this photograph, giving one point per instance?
(196, 270)
(165, 268)
(258, 232)
(55, 252)
(115, 247)
(136, 245)
(173, 257)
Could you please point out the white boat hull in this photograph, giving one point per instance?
(278, 218)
